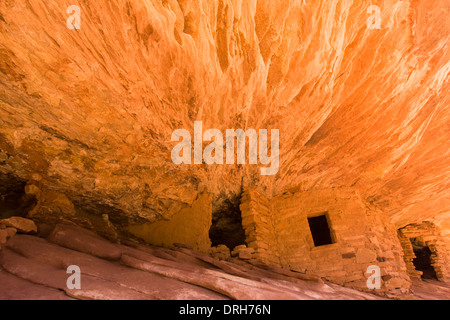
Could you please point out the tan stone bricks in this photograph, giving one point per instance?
(366, 256)
(221, 252)
(279, 232)
(427, 233)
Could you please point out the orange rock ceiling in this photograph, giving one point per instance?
(90, 112)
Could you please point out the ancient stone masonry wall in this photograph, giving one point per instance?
(408, 256)
(428, 233)
(258, 225)
(190, 227)
(360, 237)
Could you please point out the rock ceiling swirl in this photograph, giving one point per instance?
(91, 111)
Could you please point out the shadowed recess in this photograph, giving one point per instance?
(226, 225)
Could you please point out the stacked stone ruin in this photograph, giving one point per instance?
(277, 234)
(429, 234)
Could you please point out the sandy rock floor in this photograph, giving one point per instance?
(36, 268)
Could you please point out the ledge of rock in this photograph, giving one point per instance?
(20, 225)
(35, 268)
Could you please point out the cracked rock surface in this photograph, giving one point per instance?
(32, 267)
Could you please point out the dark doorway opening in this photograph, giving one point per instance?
(320, 230)
(13, 200)
(226, 225)
(422, 262)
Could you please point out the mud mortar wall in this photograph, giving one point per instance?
(429, 234)
(361, 237)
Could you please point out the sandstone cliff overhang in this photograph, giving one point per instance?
(86, 114)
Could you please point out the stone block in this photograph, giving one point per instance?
(365, 256)
(22, 225)
(246, 254)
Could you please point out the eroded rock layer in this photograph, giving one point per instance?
(86, 115)
(33, 267)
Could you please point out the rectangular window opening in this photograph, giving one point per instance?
(320, 230)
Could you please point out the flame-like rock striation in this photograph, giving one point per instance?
(89, 112)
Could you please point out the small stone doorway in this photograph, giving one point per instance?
(226, 227)
(425, 252)
(423, 260)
